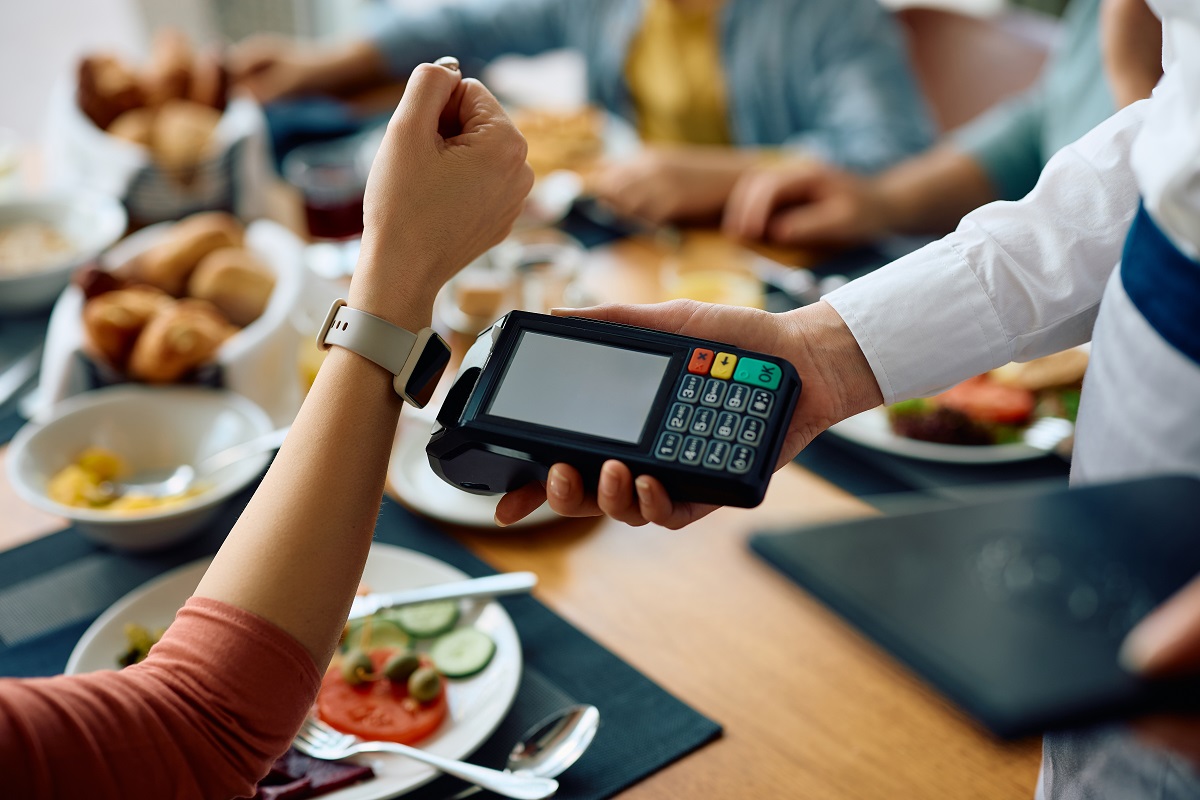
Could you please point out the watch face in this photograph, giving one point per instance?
(426, 373)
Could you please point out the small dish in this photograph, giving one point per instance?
(89, 222)
(415, 483)
(149, 428)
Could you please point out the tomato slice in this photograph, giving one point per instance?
(984, 400)
(379, 710)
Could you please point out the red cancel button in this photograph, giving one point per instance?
(701, 361)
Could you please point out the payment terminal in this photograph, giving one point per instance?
(704, 418)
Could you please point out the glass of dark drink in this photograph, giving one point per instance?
(331, 178)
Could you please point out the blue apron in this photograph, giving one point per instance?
(1139, 415)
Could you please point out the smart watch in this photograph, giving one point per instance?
(416, 360)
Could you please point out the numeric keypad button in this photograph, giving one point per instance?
(716, 454)
(727, 426)
(680, 416)
(761, 402)
(692, 452)
(741, 459)
(690, 388)
(714, 393)
(702, 421)
(668, 446)
(737, 397)
(752, 431)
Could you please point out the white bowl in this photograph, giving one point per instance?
(90, 222)
(150, 428)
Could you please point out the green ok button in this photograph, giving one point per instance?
(757, 373)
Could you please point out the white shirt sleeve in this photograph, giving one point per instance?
(1014, 282)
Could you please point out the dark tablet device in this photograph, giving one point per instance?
(1014, 610)
(705, 418)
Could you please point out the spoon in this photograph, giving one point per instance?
(184, 476)
(552, 745)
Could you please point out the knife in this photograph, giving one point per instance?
(491, 586)
(19, 373)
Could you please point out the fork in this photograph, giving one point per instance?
(320, 741)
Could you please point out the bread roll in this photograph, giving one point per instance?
(169, 264)
(168, 76)
(1058, 369)
(107, 88)
(181, 135)
(135, 125)
(112, 321)
(178, 339)
(235, 281)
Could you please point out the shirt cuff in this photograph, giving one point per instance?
(930, 296)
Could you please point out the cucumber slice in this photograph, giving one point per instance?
(426, 620)
(384, 633)
(462, 653)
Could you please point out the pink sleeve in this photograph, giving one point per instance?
(204, 716)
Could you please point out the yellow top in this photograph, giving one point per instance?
(675, 77)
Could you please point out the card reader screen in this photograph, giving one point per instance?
(579, 386)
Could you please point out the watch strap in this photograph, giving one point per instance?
(366, 334)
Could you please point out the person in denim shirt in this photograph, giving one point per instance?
(825, 79)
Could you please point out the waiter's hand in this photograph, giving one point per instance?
(837, 380)
(1167, 643)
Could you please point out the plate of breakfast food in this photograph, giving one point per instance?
(998, 417)
(440, 676)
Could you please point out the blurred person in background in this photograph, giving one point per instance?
(715, 87)
(1110, 56)
(1106, 247)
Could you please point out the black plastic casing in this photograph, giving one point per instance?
(483, 454)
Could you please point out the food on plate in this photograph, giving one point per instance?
(167, 311)
(81, 484)
(107, 89)
(29, 246)
(235, 281)
(181, 134)
(994, 408)
(387, 681)
(462, 653)
(140, 639)
(177, 340)
(114, 320)
(426, 620)
(373, 707)
(296, 776)
(171, 107)
(561, 139)
(169, 264)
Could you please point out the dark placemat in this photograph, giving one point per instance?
(53, 588)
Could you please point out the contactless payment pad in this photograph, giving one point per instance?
(704, 418)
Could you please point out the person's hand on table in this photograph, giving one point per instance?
(838, 383)
(273, 67)
(811, 203)
(448, 182)
(1167, 643)
(670, 184)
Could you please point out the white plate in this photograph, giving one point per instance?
(418, 487)
(871, 429)
(477, 704)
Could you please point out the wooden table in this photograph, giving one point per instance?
(810, 709)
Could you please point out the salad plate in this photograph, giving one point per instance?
(476, 704)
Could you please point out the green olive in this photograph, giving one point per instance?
(424, 684)
(400, 666)
(357, 667)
